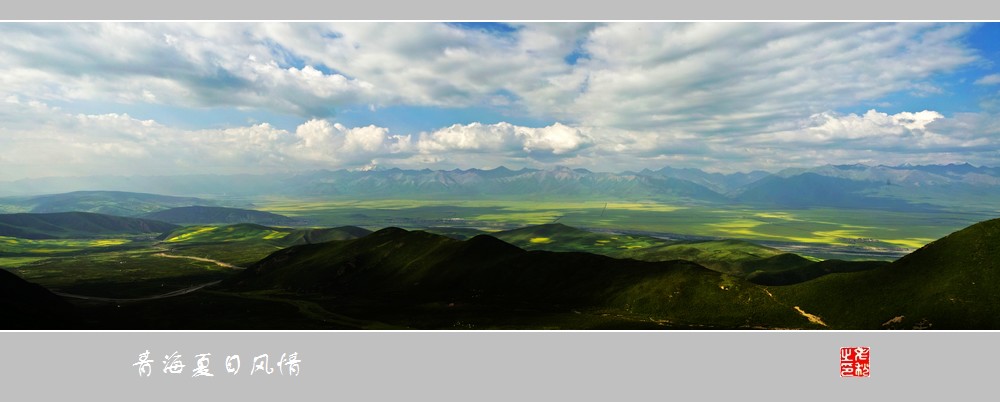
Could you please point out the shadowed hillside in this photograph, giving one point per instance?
(24, 305)
(75, 225)
(950, 283)
(118, 203)
(397, 266)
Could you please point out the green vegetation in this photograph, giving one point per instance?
(732, 257)
(682, 265)
(203, 215)
(129, 274)
(848, 230)
(415, 268)
(245, 243)
(75, 225)
(118, 203)
(13, 246)
(948, 284)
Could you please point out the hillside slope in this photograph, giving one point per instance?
(24, 305)
(950, 283)
(394, 266)
(75, 225)
(118, 203)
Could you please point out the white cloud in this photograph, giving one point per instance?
(48, 141)
(737, 78)
(703, 77)
(555, 140)
(992, 79)
(738, 95)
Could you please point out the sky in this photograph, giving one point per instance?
(129, 98)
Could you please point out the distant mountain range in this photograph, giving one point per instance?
(904, 187)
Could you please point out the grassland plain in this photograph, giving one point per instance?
(903, 231)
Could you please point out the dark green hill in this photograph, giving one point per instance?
(310, 236)
(950, 283)
(245, 243)
(250, 232)
(220, 215)
(397, 267)
(75, 225)
(552, 237)
(104, 202)
(24, 305)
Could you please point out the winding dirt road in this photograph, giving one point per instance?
(216, 262)
(174, 293)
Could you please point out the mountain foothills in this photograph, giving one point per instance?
(201, 214)
(833, 247)
(103, 202)
(75, 225)
(908, 187)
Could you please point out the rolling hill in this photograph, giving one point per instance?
(245, 243)
(398, 267)
(250, 231)
(221, 215)
(64, 225)
(759, 264)
(103, 202)
(950, 283)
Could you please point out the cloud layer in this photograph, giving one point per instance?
(722, 96)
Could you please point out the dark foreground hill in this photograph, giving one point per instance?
(394, 266)
(412, 279)
(24, 305)
(75, 225)
(950, 283)
(222, 215)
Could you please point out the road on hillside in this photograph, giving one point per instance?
(178, 292)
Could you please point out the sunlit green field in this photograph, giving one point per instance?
(869, 228)
(232, 233)
(14, 245)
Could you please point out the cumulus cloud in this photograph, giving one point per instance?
(557, 139)
(59, 143)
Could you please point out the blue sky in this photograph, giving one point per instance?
(100, 98)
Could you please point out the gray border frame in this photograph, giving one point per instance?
(502, 365)
(502, 10)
